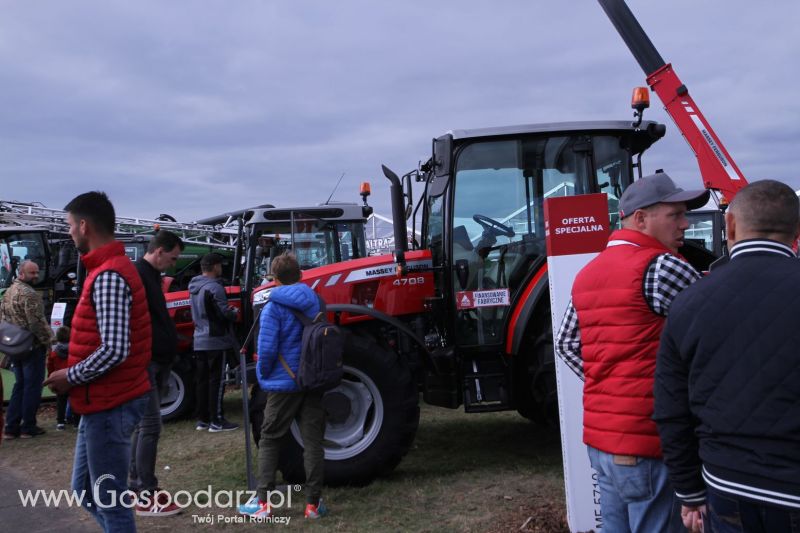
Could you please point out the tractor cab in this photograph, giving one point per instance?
(483, 208)
(482, 215)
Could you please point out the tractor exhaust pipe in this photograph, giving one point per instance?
(398, 219)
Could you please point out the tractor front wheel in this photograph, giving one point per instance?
(371, 418)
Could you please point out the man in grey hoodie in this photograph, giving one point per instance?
(213, 337)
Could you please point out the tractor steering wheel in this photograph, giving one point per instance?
(493, 226)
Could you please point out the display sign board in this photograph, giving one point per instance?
(57, 315)
(576, 230)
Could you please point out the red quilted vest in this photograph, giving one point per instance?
(129, 379)
(619, 338)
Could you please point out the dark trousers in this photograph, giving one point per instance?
(26, 394)
(209, 386)
(61, 408)
(729, 514)
(144, 441)
(280, 411)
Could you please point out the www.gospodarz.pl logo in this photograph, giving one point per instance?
(203, 499)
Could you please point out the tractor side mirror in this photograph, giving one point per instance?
(462, 272)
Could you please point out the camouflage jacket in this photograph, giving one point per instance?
(22, 305)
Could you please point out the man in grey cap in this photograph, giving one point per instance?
(609, 337)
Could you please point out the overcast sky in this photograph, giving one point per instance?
(197, 107)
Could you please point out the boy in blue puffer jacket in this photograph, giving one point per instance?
(279, 347)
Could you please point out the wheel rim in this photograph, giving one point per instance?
(176, 392)
(358, 416)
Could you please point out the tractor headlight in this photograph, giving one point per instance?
(261, 298)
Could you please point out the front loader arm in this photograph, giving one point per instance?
(717, 168)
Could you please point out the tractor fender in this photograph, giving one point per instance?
(535, 292)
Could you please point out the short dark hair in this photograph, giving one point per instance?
(767, 207)
(62, 334)
(166, 240)
(286, 268)
(95, 207)
(209, 261)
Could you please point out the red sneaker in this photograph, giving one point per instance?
(159, 506)
(314, 512)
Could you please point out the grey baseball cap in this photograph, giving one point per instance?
(655, 189)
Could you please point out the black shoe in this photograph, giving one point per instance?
(32, 433)
(222, 425)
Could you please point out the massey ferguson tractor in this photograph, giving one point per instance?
(463, 315)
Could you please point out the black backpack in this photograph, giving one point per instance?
(321, 353)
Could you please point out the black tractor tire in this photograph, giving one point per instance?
(537, 393)
(178, 400)
(371, 418)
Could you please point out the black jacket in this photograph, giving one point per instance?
(165, 336)
(727, 389)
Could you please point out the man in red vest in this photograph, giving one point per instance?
(609, 337)
(109, 351)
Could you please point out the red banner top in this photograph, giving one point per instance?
(576, 224)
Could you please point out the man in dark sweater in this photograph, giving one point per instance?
(162, 253)
(727, 400)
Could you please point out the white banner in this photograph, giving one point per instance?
(576, 231)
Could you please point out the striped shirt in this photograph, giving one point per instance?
(112, 301)
(664, 279)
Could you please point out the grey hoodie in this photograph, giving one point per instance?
(211, 334)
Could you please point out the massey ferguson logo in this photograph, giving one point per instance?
(386, 270)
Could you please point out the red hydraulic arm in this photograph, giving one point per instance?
(717, 168)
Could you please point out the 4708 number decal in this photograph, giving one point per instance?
(402, 282)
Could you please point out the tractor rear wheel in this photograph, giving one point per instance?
(371, 418)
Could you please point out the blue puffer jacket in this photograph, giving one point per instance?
(281, 333)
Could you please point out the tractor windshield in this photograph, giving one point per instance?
(498, 214)
(317, 242)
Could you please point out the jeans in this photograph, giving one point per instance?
(209, 388)
(62, 400)
(279, 413)
(144, 443)
(102, 455)
(729, 514)
(26, 394)
(636, 498)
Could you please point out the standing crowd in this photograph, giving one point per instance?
(691, 402)
(110, 370)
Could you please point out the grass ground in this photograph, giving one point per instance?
(482, 473)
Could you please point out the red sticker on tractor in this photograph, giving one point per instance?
(473, 299)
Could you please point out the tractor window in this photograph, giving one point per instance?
(613, 173)
(317, 242)
(19, 247)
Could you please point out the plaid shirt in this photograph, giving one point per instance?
(112, 301)
(663, 280)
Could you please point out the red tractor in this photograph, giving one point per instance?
(319, 235)
(463, 315)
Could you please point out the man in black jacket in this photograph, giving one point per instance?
(727, 400)
(162, 253)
